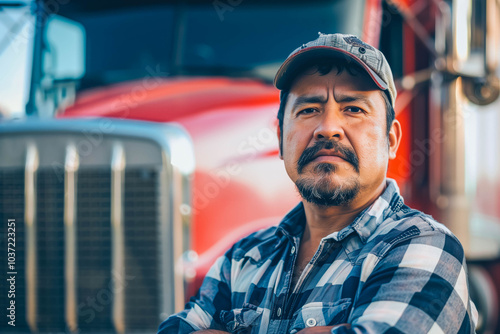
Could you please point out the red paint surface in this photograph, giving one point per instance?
(164, 100)
(239, 178)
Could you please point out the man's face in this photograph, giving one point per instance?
(335, 142)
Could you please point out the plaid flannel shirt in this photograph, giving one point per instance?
(393, 270)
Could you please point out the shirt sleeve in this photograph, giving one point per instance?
(417, 286)
(203, 310)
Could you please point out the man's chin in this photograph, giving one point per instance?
(328, 190)
(329, 168)
(325, 168)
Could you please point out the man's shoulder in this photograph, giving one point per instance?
(406, 225)
(389, 220)
(407, 217)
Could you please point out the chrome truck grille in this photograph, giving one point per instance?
(99, 230)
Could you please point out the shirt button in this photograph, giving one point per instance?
(311, 322)
(292, 250)
(278, 312)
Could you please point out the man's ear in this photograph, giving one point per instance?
(280, 143)
(394, 138)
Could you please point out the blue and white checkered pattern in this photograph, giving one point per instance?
(393, 270)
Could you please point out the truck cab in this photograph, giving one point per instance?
(149, 144)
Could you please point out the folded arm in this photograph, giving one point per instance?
(418, 286)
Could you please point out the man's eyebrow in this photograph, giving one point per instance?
(346, 98)
(302, 100)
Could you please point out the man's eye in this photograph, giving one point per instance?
(307, 111)
(354, 110)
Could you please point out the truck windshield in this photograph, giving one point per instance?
(242, 38)
(16, 35)
(232, 38)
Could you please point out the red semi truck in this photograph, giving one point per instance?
(149, 145)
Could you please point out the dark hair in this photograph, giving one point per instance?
(324, 67)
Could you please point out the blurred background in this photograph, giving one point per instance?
(137, 143)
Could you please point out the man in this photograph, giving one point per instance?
(351, 257)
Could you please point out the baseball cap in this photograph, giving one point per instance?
(347, 47)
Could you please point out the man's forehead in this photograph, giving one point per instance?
(311, 82)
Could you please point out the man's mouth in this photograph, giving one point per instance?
(327, 152)
(329, 156)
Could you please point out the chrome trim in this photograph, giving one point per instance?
(178, 242)
(32, 163)
(71, 165)
(451, 195)
(492, 35)
(177, 166)
(474, 38)
(461, 37)
(163, 241)
(117, 235)
(173, 249)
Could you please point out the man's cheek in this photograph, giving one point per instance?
(365, 162)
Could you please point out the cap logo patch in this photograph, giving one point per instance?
(353, 40)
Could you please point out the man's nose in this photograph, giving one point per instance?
(331, 126)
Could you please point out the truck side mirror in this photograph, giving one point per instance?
(475, 48)
(65, 53)
(63, 64)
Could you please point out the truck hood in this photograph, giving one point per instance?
(166, 100)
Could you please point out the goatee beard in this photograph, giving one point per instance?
(321, 190)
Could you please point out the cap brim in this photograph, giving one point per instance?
(295, 63)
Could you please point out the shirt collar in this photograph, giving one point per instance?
(370, 218)
(365, 223)
(294, 222)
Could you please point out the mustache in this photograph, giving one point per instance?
(310, 153)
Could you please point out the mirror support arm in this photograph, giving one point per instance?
(36, 70)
